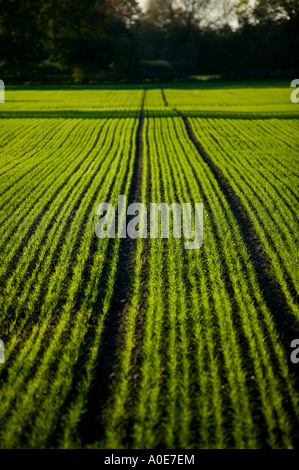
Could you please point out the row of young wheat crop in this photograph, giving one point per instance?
(43, 293)
(154, 99)
(201, 356)
(264, 177)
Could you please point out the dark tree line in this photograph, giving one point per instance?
(92, 40)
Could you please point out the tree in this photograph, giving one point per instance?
(21, 38)
(129, 12)
(79, 34)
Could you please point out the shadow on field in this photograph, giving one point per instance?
(92, 426)
(157, 113)
(184, 85)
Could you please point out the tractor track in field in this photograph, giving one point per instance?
(273, 295)
(92, 426)
(164, 97)
(273, 172)
(140, 320)
(277, 194)
(243, 344)
(283, 320)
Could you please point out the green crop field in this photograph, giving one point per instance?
(141, 343)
